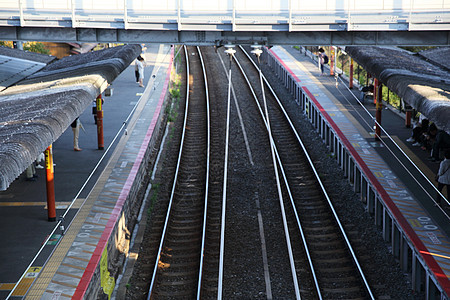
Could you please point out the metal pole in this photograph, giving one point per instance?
(290, 16)
(51, 206)
(408, 115)
(73, 13)
(375, 90)
(125, 14)
(233, 26)
(350, 84)
(332, 60)
(379, 107)
(179, 15)
(99, 101)
(22, 19)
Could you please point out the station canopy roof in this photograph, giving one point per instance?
(422, 80)
(41, 96)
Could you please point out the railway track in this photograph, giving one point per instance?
(179, 258)
(279, 241)
(334, 272)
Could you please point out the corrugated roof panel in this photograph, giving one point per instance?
(37, 110)
(15, 69)
(421, 84)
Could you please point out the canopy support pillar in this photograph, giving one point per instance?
(51, 206)
(350, 82)
(99, 102)
(379, 107)
(332, 60)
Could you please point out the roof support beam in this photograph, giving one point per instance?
(214, 37)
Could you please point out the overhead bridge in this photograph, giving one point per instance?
(216, 22)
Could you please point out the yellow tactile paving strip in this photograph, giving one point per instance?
(60, 253)
(51, 268)
(43, 204)
(61, 275)
(414, 220)
(47, 274)
(53, 264)
(24, 284)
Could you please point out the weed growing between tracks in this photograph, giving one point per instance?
(153, 197)
(174, 91)
(173, 109)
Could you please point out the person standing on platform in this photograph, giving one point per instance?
(141, 64)
(76, 132)
(323, 60)
(136, 67)
(136, 70)
(31, 173)
(443, 176)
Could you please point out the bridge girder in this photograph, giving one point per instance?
(304, 38)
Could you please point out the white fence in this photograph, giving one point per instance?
(228, 6)
(230, 15)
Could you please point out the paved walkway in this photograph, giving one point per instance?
(23, 216)
(394, 124)
(408, 197)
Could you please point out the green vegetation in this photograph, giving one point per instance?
(153, 197)
(173, 113)
(178, 57)
(343, 63)
(417, 49)
(174, 91)
(6, 44)
(173, 109)
(35, 47)
(28, 46)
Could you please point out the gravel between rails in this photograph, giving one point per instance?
(382, 270)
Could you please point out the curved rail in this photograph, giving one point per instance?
(224, 193)
(178, 266)
(62, 221)
(158, 257)
(280, 165)
(208, 152)
(320, 183)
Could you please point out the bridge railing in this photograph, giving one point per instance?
(230, 15)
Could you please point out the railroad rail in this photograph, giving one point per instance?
(228, 190)
(334, 270)
(179, 259)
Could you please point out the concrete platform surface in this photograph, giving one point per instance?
(23, 216)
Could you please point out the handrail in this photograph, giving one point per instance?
(401, 151)
(62, 218)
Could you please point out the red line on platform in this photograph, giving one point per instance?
(420, 246)
(95, 259)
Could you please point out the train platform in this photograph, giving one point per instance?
(51, 262)
(398, 195)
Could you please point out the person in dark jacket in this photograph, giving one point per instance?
(443, 177)
(418, 130)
